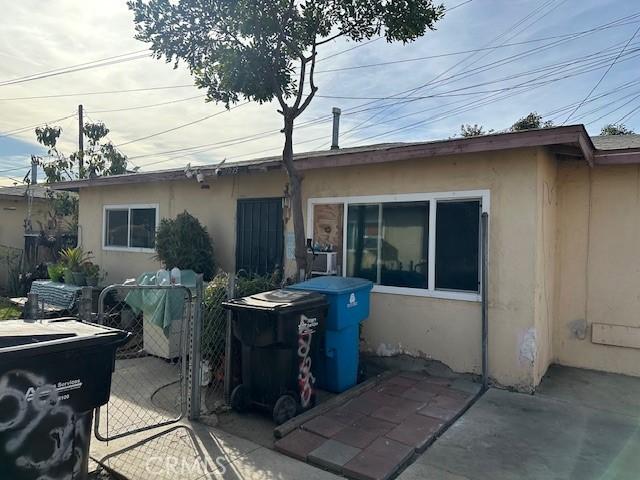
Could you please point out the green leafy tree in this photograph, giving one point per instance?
(616, 129)
(475, 130)
(530, 122)
(99, 158)
(184, 242)
(264, 50)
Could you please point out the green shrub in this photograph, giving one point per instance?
(184, 242)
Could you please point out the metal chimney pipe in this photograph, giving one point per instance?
(336, 128)
(34, 171)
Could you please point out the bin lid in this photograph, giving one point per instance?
(281, 300)
(28, 337)
(335, 285)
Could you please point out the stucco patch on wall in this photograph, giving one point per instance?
(578, 329)
(527, 347)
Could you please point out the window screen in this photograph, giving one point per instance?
(143, 227)
(457, 245)
(117, 228)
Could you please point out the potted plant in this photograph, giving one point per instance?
(92, 274)
(73, 259)
(56, 272)
(67, 276)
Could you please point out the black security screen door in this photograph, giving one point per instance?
(260, 236)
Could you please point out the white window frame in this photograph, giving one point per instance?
(129, 207)
(482, 195)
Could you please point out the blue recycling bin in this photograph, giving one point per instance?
(348, 298)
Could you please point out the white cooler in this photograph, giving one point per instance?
(158, 344)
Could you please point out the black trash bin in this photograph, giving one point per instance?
(52, 375)
(280, 332)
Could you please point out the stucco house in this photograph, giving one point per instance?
(15, 209)
(564, 230)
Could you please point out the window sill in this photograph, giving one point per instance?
(419, 292)
(128, 249)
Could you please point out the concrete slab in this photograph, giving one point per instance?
(616, 393)
(515, 436)
(197, 452)
(332, 455)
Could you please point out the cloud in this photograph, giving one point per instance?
(46, 35)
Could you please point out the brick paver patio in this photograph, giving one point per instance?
(374, 435)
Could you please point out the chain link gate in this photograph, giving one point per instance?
(155, 373)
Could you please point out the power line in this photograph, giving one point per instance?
(2, 82)
(476, 50)
(486, 67)
(563, 66)
(73, 70)
(419, 87)
(28, 127)
(173, 129)
(105, 92)
(111, 141)
(140, 107)
(615, 60)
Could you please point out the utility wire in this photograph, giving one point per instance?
(28, 127)
(140, 107)
(73, 70)
(557, 67)
(105, 92)
(173, 129)
(415, 89)
(476, 50)
(615, 60)
(25, 77)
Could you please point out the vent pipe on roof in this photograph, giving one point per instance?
(336, 128)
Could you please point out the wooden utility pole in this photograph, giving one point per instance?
(80, 139)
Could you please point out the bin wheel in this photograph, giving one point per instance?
(285, 409)
(240, 398)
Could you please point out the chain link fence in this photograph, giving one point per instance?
(221, 359)
(215, 348)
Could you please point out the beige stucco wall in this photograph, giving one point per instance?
(12, 215)
(449, 330)
(546, 247)
(598, 271)
(446, 330)
(214, 207)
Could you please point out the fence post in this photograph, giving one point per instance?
(31, 308)
(228, 353)
(85, 306)
(196, 354)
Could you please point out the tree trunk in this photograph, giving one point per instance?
(295, 192)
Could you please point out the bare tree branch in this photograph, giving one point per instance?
(303, 74)
(314, 89)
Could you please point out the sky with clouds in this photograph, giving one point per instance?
(489, 62)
